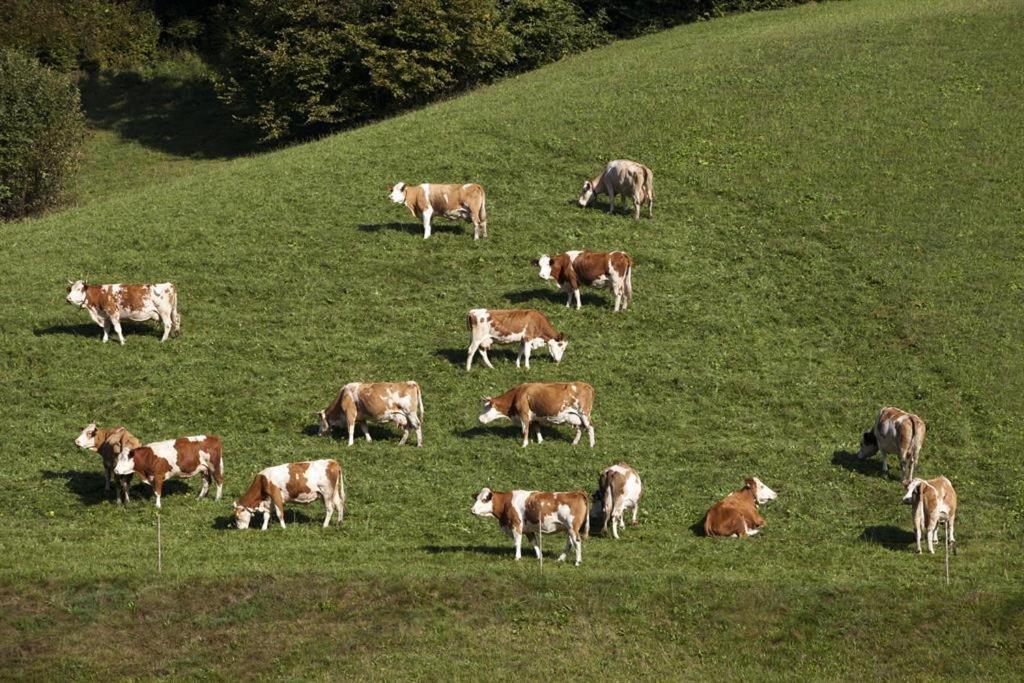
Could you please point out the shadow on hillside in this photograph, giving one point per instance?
(414, 228)
(87, 485)
(868, 466)
(480, 549)
(888, 536)
(457, 356)
(93, 330)
(555, 296)
(179, 115)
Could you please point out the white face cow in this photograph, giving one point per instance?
(76, 292)
(482, 505)
(544, 263)
(762, 493)
(911, 490)
(87, 439)
(125, 464)
(587, 194)
(243, 516)
(397, 193)
(489, 413)
(557, 348)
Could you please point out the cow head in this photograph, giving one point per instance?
(87, 439)
(489, 413)
(913, 491)
(76, 292)
(587, 193)
(125, 463)
(868, 445)
(556, 347)
(243, 516)
(762, 494)
(325, 426)
(483, 505)
(544, 263)
(396, 193)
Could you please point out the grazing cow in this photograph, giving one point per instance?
(595, 268)
(626, 178)
(536, 512)
(109, 304)
(736, 514)
(528, 327)
(895, 431)
(109, 443)
(457, 202)
(552, 402)
(186, 457)
(359, 402)
(933, 501)
(618, 489)
(302, 482)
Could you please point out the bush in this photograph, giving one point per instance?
(41, 132)
(544, 31)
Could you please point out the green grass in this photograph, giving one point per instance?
(837, 228)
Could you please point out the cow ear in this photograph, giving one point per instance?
(535, 262)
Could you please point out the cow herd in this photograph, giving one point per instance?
(529, 405)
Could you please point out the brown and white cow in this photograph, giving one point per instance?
(933, 501)
(108, 305)
(536, 512)
(360, 402)
(186, 457)
(301, 482)
(552, 402)
(736, 514)
(895, 431)
(109, 443)
(458, 202)
(618, 489)
(599, 269)
(530, 328)
(627, 178)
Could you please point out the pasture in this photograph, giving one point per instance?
(837, 228)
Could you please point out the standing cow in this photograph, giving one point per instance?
(301, 482)
(537, 512)
(360, 402)
(626, 178)
(736, 514)
(598, 269)
(618, 489)
(530, 328)
(109, 443)
(895, 431)
(933, 501)
(181, 458)
(109, 304)
(551, 402)
(458, 202)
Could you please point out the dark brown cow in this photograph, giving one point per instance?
(574, 269)
(302, 482)
(736, 514)
(535, 512)
(552, 402)
(530, 328)
(109, 443)
(109, 304)
(188, 456)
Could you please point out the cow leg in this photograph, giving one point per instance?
(476, 228)
(534, 541)
(540, 439)
(351, 432)
(125, 485)
(218, 478)
(526, 355)
(474, 346)
(611, 199)
(266, 518)
(116, 322)
(576, 293)
(426, 222)
(637, 203)
(932, 534)
(918, 525)
(950, 534)
(105, 324)
(636, 509)
(577, 435)
(568, 299)
(366, 431)
(885, 465)
(165, 318)
(158, 488)
(569, 543)
(526, 432)
(206, 485)
(278, 502)
(517, 536)
(487, 359)
(108, 475)
(419, 434)
(329, 506)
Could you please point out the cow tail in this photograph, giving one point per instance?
(419, 402)
(175, 318)
(629, 281)
(609, 502)
(339, 492)
(586, 519)
(649, 184)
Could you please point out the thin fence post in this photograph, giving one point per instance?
(159, 546)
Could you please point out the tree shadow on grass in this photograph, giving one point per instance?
(179, 115)
(868, 466)
(888, 536)
(91, 330)
(481, 549)
(553, 296)
(413, 228)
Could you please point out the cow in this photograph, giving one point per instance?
(598, 269)
(551, 402)
(933, 501)
(536, 512)
(458, 202)
(301, 482)
(109, 304)
(736, 514)
(530, 328)
(186, 457)
(626, 178)
(895, 431)
(618, 489)
(109, 443)
(359, 402)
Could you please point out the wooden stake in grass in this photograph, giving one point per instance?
(159, 546)
(947, 550)
(540, 544)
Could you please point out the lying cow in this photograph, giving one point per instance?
(109, 443)
(551, 402)
(736, 514)
(618, 489)
(536, 512)
(360, 402)
(109, 304)
(528, 327)
(895, 431)
(301, 482)
(933, 501)
(457, 202)
(186, 457)
(626, 178)
(574, 269)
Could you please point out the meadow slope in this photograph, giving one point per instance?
(837, 228)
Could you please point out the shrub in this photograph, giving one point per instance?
(544, 31)
(41, 132)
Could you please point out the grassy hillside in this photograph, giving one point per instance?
(837, 229)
